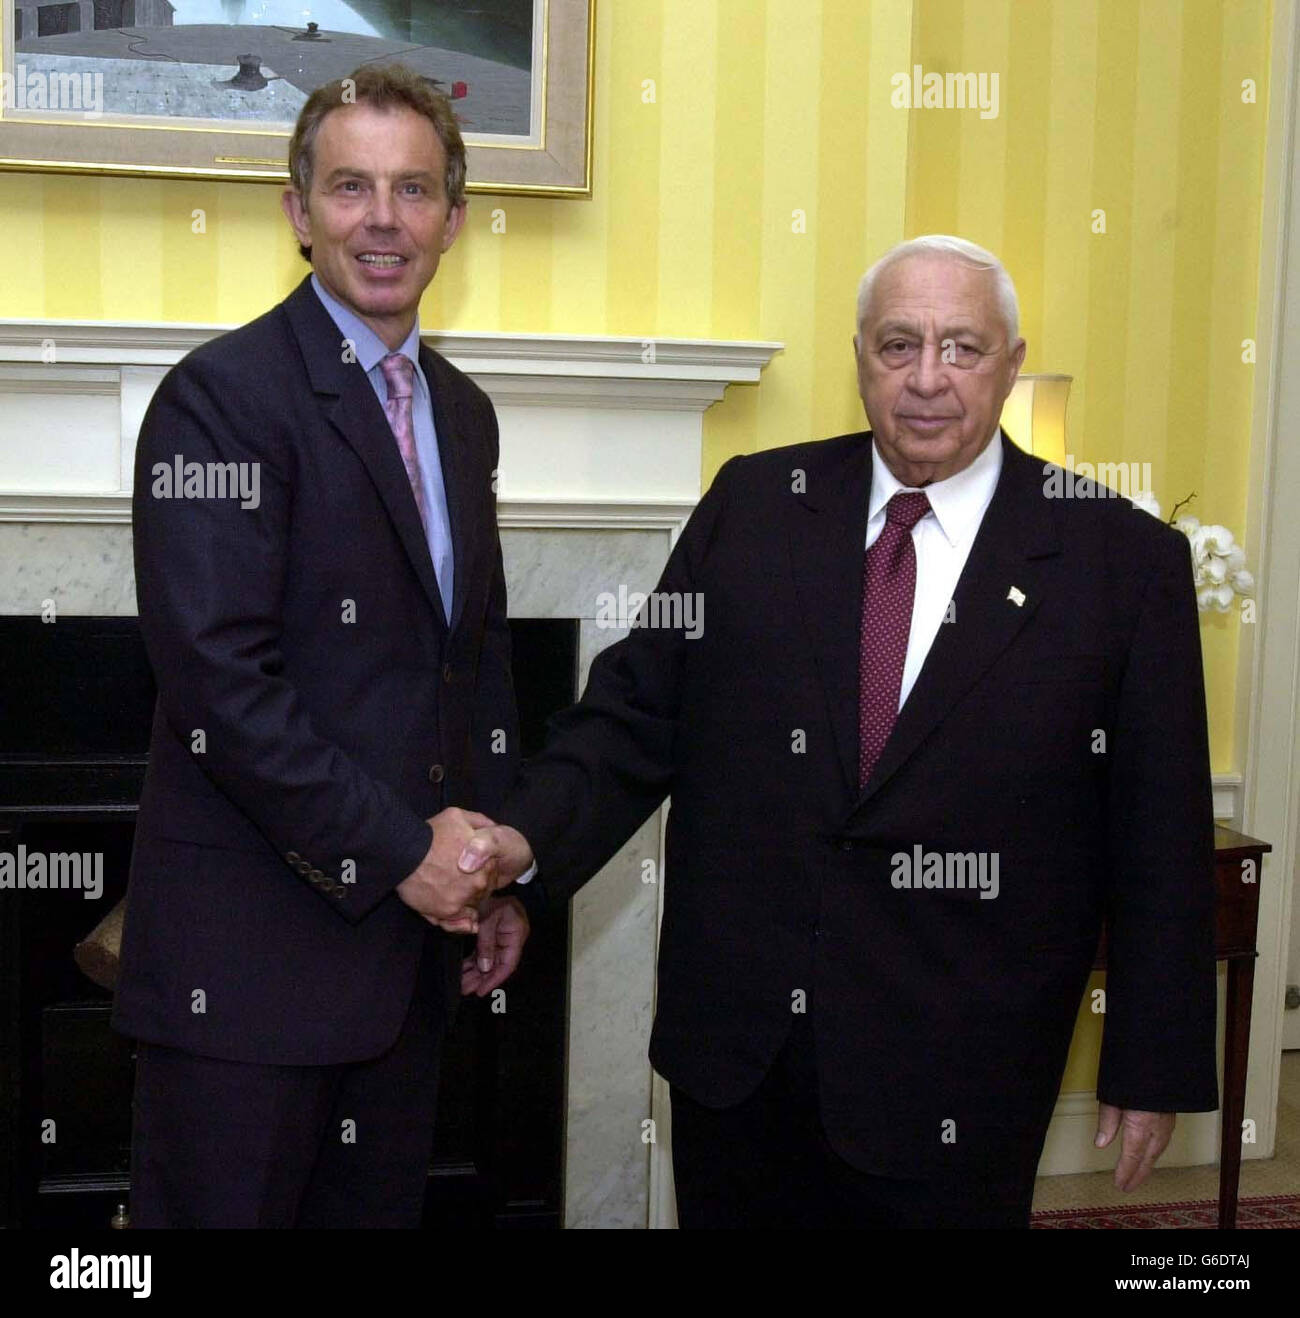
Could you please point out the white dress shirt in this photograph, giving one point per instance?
(942, 539)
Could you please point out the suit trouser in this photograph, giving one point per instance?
(232, 1144)
(766, 1162)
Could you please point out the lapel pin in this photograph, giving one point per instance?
(1016, 596)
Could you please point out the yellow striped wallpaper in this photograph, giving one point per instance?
(749, 165)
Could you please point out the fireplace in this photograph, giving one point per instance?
(72, 759)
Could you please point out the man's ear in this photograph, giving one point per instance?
(295, 210)
(1016, 359)
(454, 223)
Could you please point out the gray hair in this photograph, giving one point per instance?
(956, 249)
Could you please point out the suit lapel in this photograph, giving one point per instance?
(827, 534)
(350, 404)
(1016, 548)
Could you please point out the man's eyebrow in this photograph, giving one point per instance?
(346, 171)
(355, 171)
(896, 327)
(952, 331)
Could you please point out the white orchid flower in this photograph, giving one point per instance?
(1199, 539)
(1218, 598)
(1218, 539)
(1218, 561)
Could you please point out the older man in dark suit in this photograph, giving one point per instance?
(333, 668)
(938, 727)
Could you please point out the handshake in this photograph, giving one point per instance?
(469, 859)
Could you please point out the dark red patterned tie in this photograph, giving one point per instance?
(888, 588)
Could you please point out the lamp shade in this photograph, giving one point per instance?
(1034, 415)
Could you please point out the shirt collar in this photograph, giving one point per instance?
(370, 348)
(958, 501)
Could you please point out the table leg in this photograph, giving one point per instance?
(1236, 1043)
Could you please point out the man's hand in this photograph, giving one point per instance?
(1145, 1136)
(501, 847)
(502, 930)
(439, 889)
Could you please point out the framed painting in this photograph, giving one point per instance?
(211, 88)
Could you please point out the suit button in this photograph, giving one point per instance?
(292, 857)
(446, 673)
(316, 876)
(845, 844)
(303, 867)
(437, 773)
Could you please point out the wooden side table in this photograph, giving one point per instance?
(1236, 920)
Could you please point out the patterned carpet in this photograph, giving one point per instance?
(1275, 1211)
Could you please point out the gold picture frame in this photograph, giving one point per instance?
(55, 117)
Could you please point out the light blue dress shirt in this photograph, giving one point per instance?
(370, 350)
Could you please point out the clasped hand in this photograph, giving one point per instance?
(469, 858)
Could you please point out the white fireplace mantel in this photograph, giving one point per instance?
(595, 430)
(149, 343)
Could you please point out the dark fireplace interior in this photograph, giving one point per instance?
(76, 701)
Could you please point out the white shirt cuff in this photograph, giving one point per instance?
(528, 874)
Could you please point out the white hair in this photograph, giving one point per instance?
(956, 249)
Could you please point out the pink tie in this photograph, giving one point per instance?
(888, 588)
(399, 372)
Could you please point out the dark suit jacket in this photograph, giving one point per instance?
(305, 640)
(929, 1006)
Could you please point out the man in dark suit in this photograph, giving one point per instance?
(939, 725)
(321, 593)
